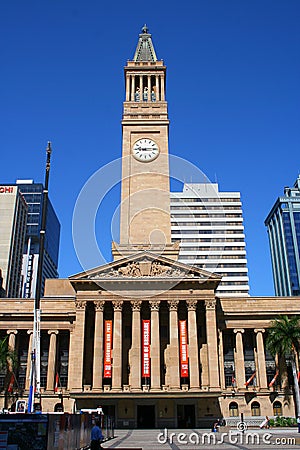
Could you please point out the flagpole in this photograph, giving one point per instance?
(35, 371)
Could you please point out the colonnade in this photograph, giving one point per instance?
(239, 359)
(145, 83)
(172, 361)
(207, 360)
(51, 371)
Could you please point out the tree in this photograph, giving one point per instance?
(8, 362)
(284, 339)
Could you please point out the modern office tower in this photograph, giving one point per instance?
(33, 194)
(283, 223)
(13, 213)
(209, 226)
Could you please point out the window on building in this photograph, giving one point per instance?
(277, 409)
(233, 409)
(255, 409)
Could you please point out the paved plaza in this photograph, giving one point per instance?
(200, 438)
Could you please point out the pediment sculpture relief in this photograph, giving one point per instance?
(145, 268)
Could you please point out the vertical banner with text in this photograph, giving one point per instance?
(146, 348)
(184, 362)
(107, 348)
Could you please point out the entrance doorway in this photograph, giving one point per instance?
(186, 416)
(145, 416)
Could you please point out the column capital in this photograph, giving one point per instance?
(259, 330)
(117, 305)
(136, 305)
(52, 331)
(29, 332)
(12, 332)
(80, 304)
(154, 305)
(192, 304)
(210, 303)
(173, 305)
(99, 305)
(238, 330)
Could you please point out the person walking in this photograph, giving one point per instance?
(96, 436)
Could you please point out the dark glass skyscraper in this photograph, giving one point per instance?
(33, 194)
(283, 224)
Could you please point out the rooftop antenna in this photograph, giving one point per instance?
(35, 370)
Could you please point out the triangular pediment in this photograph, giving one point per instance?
(144, 266)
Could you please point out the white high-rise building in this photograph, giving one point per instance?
(13, 215)
(209, 226)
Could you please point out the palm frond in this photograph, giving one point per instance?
(284, 336)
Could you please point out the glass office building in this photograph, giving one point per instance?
(283, 223)
(33, 194)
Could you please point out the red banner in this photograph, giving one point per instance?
(184, 360)
(274, 378)
(107, 348)
(146, 348)
(250, 379)
(11, 383)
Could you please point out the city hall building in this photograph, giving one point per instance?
(147, 336)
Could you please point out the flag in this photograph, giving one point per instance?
(250, 379)
(56, 382)
(146, 349)
(11, 383)
(107, 348)
(298, 376)
(233, 381)
(184, 359)
(274, 378)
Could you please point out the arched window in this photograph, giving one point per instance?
(255, 409)
(233, 409)
(277, 409)
(59, 407)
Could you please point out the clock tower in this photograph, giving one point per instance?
(145, 198)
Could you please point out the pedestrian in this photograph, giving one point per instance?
(298, 423)
(96, 436)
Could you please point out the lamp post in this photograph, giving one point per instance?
(35, 371)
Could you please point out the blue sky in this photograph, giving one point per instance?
(232, 87)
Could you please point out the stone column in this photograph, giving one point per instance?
(149, 88)
(98, 346)
(132, 88)
(212, 345)
(12, 339)
(28, 368)
(117, 346)
(172, 350)
(127, 87)
(221, 360)
(135, 350)
(11, 345)
(51, 360)
(261, 360)
(239, 362)
(155, 346)
(77, 348)
(141, 89)
(157, 93)
(162, 89)
(193, 345)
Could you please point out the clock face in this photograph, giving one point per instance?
(145, 150)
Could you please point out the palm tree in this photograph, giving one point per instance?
(284, 339)
(8, 362)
